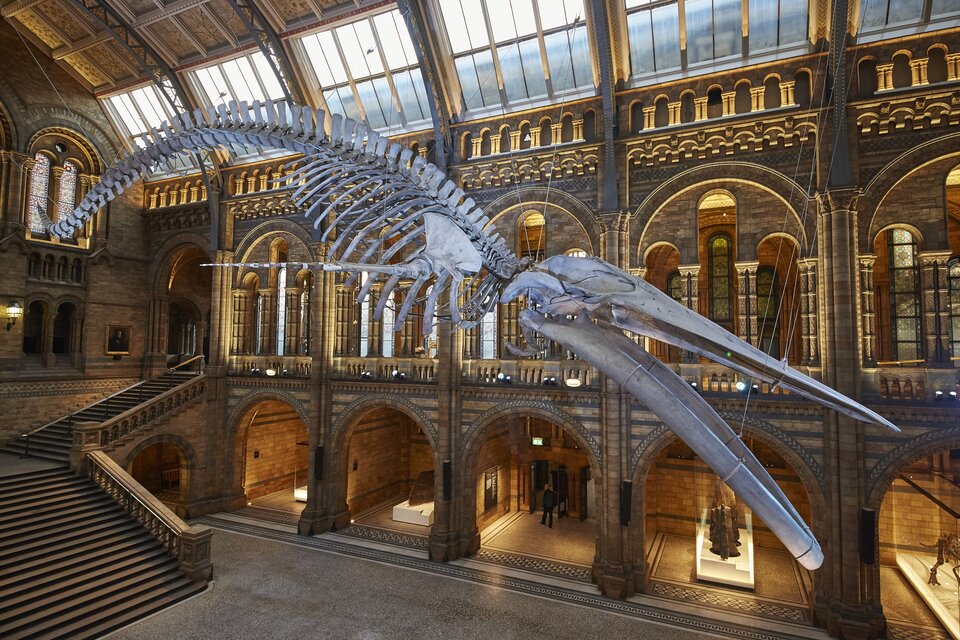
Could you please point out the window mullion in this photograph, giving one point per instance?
(357, 102)
(492, 44)
(395, 97)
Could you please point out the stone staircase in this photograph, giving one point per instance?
(74, 563)
(54, 440)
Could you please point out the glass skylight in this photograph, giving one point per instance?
(539, 47)
(246, 78)
(713, 30)
(367, 70)
(878, 15)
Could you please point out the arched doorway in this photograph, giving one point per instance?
(275, 457)
(703, 546)
(187, 288)
(921, 508)
(182, 328)
(388, 474)
(64, 330)
(515, 461)
(33, 321)
(162, 470)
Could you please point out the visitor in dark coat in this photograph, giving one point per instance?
(548, 504)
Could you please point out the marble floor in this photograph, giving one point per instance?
(569, 541)
(381, 517)
(269, 589)
(906, 613)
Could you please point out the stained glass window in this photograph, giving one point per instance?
(768, 304)
(720, 274)
(281, 310)
(954, 288)
(39, 184)
(364, 331)
(904, 295)
(66, 199)
(488, 336)
(675, 286)
(388, 318)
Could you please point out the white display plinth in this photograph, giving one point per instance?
(300, 493)
(943, 600)
(733, 571)
(421, 514)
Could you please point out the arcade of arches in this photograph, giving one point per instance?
(716, 169)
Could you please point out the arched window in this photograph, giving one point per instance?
(305, 320)
(953, 276)
(903, 296)
(525, 138)
(576, 253)
(636, 117)
(485, 144)
(768, 304)
(279, 253)
(902, 75)
(688, 107)
(742, 103)
(771, 93)
(661, 112)
(867, 77)
(715, 102)
(258, 323)
(532, 236)
(33, 321)
(566, 128)
(39, 184)
(801, 89)
(62, 329)
(937, 66)
(505, 141)
(590, 125)
(546, 132)
(675, 286)
(720, 274)
(364, 329)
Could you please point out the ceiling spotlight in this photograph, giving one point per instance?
(366, 375)
(938, 395)
(755, 387)
(741, 386)
(271, 372)
(573, 383)
(953, 395)
(398, 375)
(501, 376)
(694, 384)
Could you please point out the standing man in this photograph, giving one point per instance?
(549, 502)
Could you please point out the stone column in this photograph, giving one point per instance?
(747, 328)
(953, 66)
(613, 570)
(86, 438)
(578, 130)
(221, 313)
(868, 317)
(884, 76)
(555, 131)
(155, 358)
(700, 108)
(534, 137)
(918, 72)
(649, 118)
(690, 298)
(454, 525)
(46, 343)
(787, 98)
(495, 144)
(809, 305)
(935, 307)
(756, 98)
(475, 146)
(729, 102)
(673, 108)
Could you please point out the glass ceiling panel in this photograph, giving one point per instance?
(713, 31)
(878, 15)
(539, 49)
(367, 70)
(246, 78)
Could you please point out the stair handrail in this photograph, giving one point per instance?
(189, 544)
(189, 360)
(106, 425)
(106, 400)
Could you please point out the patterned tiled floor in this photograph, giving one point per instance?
(396, 538)
(535, 565)
(908, 617)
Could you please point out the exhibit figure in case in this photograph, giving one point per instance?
(724, 521)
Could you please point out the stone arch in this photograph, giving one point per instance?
(40, 117)
(899, 225)
(189, 453)
(940, 151)
(266, 229)
(660, 243)
(522, 198)
(887, 468)
(363, 405)
(249, 402)
(172, 246)
(474, 432)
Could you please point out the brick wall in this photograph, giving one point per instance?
(909, 519)
(272, 456)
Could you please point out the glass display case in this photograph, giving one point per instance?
(920, 528)
(725, 552)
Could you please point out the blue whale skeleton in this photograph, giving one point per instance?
(399, 219)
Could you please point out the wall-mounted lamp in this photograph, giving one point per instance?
(573, 383)
(366, 375)
(398, 375)
(14, 311)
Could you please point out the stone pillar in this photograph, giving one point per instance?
(935, 307)
(86, 438)
(494, 144)
(649, 118)
(700, 108)
(578, 130)
(534, 137)
(515, 140)
(868, 317)
(475, 146)
(885, 76)
(809, 319)
(46, 342)
(756, 98)
(747, 329)
(454, 529)
(690, 298)
(613, 570)
(848, 604)
(729, 102)
(787, 98)
(155, 356)
(953, 66)
(614, 227)
(221, 313)
(673, 108)
(918, 72)
(555, 132)
(195, 553)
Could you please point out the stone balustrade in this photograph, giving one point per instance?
(189, 544)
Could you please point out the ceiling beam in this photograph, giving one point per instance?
(268, 41)
(18, 6)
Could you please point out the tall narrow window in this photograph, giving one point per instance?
(258, 324)
(364, 332)
(488, 335)
(768, 303)
(720, 269)
(389, 318)
(281, 310)
(532, 236)
(954, 287)
(305, 315)
(68, 190)
(430, 341)
(39, 183)
(904, 295)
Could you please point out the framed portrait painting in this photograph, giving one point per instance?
(118, 339)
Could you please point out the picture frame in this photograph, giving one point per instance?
(117, 339)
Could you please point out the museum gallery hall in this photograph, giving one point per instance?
(480, 318)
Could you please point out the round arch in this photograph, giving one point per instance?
(189, 453)
(355, 411)
(168, 252)
(899, 225)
